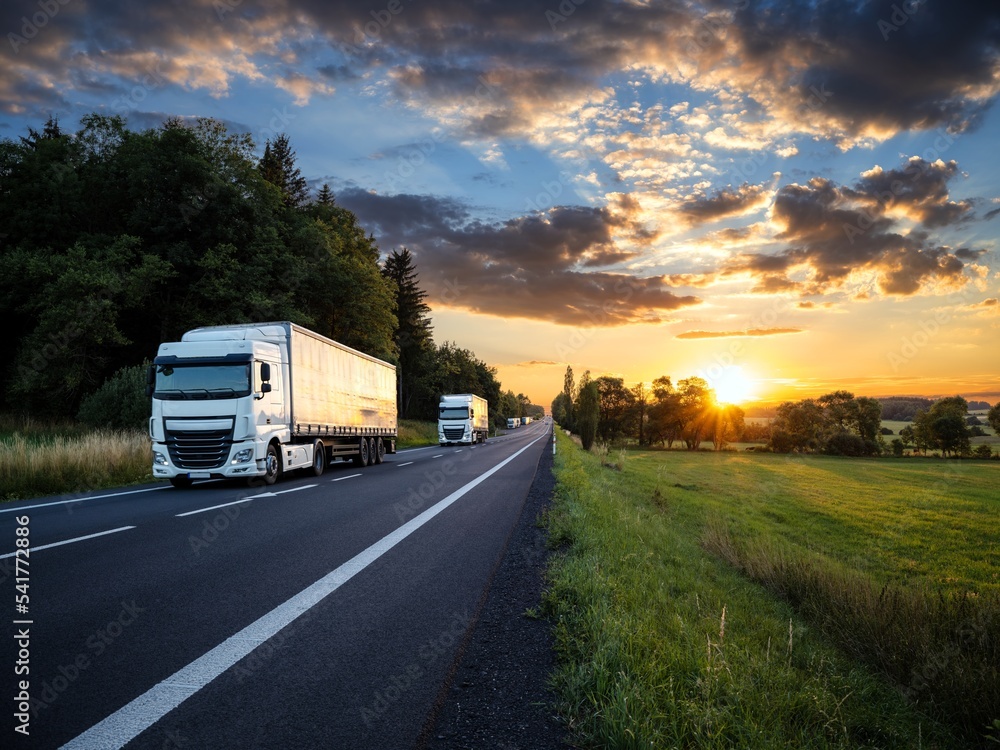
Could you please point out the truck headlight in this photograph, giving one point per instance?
(159, 459)
(243, 456)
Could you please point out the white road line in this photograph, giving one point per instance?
(438, 455)
(245, 500)
(80, 499)
(126, 723)
(406, 464)
(296, 489)
(458, 451)
(223, 505)
(341, 479)
(70, 541)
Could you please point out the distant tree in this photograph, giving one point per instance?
(560, 408)
(727, 424)
(615, 407)
(640, 407)
(797, 426)
(665, 418)
(413, 335)
(696, 401)
(993, 417)
(943, 426)
(570, 392)
(325, 196)
(588, 410)
(277, 166)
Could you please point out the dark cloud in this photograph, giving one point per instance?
(534, 266)
(833, 231)
(724, 203)
(736, 334)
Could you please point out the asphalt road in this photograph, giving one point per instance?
(318, 613)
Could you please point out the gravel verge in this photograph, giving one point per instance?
(497, 696)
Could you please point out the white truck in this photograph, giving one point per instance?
(463, 418)
(257, 399)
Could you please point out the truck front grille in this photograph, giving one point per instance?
(454, 433)
(199, 450)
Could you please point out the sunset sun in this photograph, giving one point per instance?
(733, 385)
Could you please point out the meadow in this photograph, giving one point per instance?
(716, 600)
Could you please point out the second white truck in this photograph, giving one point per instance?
(463, 419)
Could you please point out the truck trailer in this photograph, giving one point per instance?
(463, 418)
(254, 400)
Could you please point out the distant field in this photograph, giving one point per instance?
(715, 600)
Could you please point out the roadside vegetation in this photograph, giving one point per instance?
(414, 433)
(56, 458)
(741, 600)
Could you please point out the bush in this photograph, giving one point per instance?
(846, 444)
(119, 404)
(982, 451)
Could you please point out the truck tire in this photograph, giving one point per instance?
(379, 450)
(181, 483)
(361, 459)
(272, 464)
(319, 458)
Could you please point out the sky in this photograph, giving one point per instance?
(783, 198)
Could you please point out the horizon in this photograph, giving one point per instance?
(808, 192)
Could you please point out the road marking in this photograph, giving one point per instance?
(128, 722)
(223, 505)
(80, 499)
(296, 489)
(406, 464)
(438, 455)
(458, 451)
(70, 541)
(341, 479)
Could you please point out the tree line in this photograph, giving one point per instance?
(115, 240)
(606, 410)
(687, 413)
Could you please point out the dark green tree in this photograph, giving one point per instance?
(413, 335)
(277, 166)
(588, 412)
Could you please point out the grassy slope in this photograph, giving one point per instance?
(663, 644)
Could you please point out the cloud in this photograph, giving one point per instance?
(724, 203)
(833, 232)
(749, 332)
(538, 266)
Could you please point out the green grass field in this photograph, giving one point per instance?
(717, 600)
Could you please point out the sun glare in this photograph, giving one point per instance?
(733, 386)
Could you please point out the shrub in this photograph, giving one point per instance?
(982, 451)
(119, 404)
(846, 444)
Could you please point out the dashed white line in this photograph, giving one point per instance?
(71, 541)
(406, 464)
(223, 505)
(80, 499)
(438, 455)
(341, 479)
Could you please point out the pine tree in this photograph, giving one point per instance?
(413, 335)
(325, 196)
(277, 166)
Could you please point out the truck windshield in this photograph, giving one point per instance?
(454, 412)
(202, 381)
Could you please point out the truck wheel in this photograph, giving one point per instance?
(361, 459)
(379, 451)
(272, 465)
(319, 458)
(181, 483)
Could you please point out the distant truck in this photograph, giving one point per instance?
(511, 423)
(463, 418)
(255, 400)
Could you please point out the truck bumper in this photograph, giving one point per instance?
(233, 468)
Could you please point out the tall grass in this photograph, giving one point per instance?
(43, 464)
(664, 645)
(414, 433)
(941, 649)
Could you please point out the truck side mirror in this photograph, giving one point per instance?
(150, 380)
(265, 387)
(265, 373)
